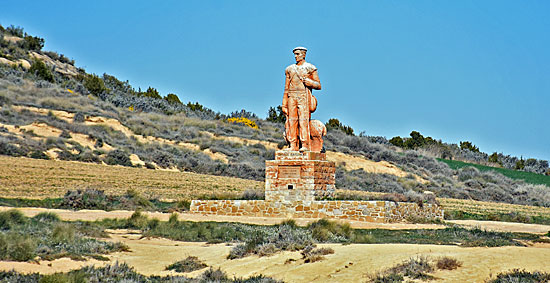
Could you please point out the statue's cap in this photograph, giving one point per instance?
(299, 48)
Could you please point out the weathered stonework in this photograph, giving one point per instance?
(299, 176)
(295, 179)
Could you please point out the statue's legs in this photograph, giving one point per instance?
(299, 120)
(292, 124)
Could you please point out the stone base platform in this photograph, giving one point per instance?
(296, 180)
(368, 211)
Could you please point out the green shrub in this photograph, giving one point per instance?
(172, 98)
(493, 158)
(324, 230)
(312, 254)
(415, 141)
(63, 233)
(32, 43)
(520, 164)
(469, 146)
(138, 221)
(17, 247)
(94, 84)
(65, 134)
(138, 199)
(276, 115)
(118, 157)
(39, 69)
(15, 31)
(79, 117)
(190, 263)
(37, 154)
(414, 268)
(214, 275)
(11, 150)
(518, 275)
(448, 263)
(337, 125)
(397, 141)
(85, 199)
(10, 218)
(173, 219)
(46, 217)
(151, 92)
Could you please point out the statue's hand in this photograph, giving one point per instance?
(311, 83)
(308, 81)
(285, 110)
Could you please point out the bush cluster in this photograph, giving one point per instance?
(121, 272)
(468, 152)
(190, 263)
(46, 237)
(518, 275)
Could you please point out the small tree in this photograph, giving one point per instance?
(39, 69)
(335, 124)
(276, 115)
(397, 141)
(195, 106)
(469, 146)
(493, 158)
(415, 141)
(94, 84)
(520, 164)
(15, 31)
(172, 99)
(32, 43)
(152, 92)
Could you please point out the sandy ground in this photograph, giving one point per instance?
(349, 263)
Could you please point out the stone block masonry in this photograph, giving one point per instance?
(295, 179)
(368, 211)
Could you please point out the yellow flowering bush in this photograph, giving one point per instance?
(243, 121)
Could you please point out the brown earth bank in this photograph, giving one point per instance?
(349, 263)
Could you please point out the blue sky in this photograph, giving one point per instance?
(452, 70)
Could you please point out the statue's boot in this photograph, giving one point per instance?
(305, 146)
(294, 146)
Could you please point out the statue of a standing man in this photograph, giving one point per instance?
(298, 103)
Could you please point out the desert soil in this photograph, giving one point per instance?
(349, 263)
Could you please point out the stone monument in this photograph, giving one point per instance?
(300, 172)
(298, 103)
(300, 181)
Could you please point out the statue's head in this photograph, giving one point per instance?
(299, 53)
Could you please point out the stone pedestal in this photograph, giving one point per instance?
(299, 177)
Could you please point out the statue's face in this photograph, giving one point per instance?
(299, 55)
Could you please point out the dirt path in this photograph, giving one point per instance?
(504, 226)
(349, 263)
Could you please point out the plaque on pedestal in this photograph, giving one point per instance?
(299, 176)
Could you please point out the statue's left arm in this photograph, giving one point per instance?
(313, 80)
